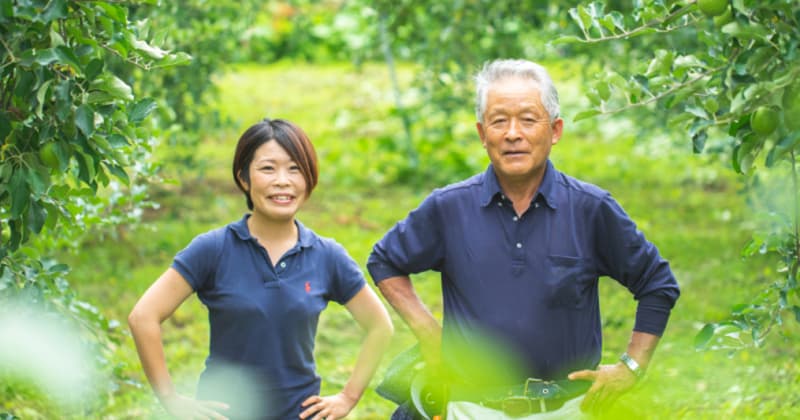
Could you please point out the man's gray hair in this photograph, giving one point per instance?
(493, 71)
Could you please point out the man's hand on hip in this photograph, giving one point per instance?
(609, 383)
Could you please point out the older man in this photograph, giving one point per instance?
(520, 248)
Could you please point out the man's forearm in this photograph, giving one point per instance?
(400, 293)
(641, 347)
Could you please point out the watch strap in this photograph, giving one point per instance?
(632, 365)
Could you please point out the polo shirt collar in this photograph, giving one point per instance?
(305, 235)
(491, 187)
(547, 190)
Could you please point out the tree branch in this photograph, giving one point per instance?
(649, 25)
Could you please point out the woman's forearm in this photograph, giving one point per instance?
(374, 346)
(147, 336)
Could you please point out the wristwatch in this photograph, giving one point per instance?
(632, 365)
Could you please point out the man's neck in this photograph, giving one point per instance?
(521, 190)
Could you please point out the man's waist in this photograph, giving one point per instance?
(532, 388)
(534, 396)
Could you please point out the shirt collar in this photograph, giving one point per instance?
(305, 235)
(547, 190)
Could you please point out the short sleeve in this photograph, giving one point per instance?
(196, 262)
(348, 279)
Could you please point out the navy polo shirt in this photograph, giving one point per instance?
(527, 285)
(263, 317)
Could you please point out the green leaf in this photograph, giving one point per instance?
(119, 172)
(113, 86)
(117, 141)
(697, 112)
(141, 110)
(94, 68)
(55, 39)
(746, 33)
(39, 180)
(176, 59)
(586, 114)
(796, 310)
(58, 268)
(84, 119)
(56, 9)
(20, 192)
(41, 96)
(149, 50)
(67, 56)
(36, 217)
(43, 57)
(704, 336)
(782, 148)
(117, 13)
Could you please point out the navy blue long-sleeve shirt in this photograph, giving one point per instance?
(524, 290)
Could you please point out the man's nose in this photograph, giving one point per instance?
(514, 133)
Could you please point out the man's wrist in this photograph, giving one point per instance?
(632, 365)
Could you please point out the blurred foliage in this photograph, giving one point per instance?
(73, 154)
(727, 78)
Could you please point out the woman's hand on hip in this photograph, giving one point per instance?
(328, 408)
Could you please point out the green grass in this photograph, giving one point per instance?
(686, 204)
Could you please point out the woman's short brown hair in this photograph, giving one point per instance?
(289, 136)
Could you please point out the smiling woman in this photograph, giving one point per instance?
(265, 279)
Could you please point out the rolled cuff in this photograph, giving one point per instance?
(380, 270)
(652, 314)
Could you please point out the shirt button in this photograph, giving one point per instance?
(519, 245)
(499, 203)
(536, 205)
(283, 264)
(515, 218)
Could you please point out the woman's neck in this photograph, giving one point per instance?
(271, 231)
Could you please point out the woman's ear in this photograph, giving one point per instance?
(244, 180)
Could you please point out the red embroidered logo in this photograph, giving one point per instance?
(308, 287)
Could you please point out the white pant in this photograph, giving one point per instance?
(462, 410)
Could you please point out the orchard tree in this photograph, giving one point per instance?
(74, 149)
(727, 71)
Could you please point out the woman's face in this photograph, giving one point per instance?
(277, 187)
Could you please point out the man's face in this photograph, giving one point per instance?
(516, 130)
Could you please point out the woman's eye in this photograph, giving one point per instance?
(294, 168)
(267, 168)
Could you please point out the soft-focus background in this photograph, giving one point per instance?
(119, 119)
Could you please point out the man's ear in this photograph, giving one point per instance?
(481, 133)
(558, 129)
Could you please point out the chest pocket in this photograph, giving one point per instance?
(570, 283)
